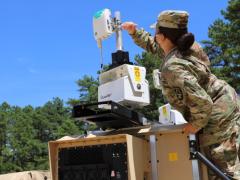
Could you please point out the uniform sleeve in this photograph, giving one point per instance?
(146, 41)
(182, 86)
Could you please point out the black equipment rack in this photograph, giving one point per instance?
(117, 116)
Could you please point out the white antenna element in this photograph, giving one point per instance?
(104, 26)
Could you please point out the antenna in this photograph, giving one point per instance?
(104, 26)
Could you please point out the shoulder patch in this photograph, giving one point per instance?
(178, 93)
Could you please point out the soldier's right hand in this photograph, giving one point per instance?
(131, 27)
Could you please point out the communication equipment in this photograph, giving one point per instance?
(123, 82)
(168, 116)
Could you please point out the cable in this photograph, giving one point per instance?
(101, 61)
(99, 43)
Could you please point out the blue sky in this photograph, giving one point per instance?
(47, 45)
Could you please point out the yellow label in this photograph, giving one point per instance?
(172, 156)
(164, 110)
(137, 74)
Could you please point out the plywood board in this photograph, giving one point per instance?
(173, 157)
(137, 157)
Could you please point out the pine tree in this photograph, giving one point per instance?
(21, 138)
(51, 122)
(25, 133)
(88, 88)
(5, 152)
(223, 47)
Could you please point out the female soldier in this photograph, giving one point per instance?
(206, 102)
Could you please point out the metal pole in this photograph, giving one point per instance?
(153, 150)
(195, 165)
(118, 31)
(211, 166)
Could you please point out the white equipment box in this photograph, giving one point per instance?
(126, 85)
(168, 116)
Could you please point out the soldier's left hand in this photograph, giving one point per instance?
(189, 129)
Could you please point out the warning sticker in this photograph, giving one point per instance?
(165, 111)
(137, 74)
(172, 156)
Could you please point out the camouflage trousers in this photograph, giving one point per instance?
(225, 156)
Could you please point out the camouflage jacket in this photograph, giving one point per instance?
(189, 86)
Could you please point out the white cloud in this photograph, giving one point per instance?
(22, 60)
(32, 70)
(26, 65)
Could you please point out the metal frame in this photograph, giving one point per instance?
(117, 116)
(196, 155)
(195, 165)
(153, 150)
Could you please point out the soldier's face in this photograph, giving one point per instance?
(158, 38)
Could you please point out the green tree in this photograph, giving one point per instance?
(25, 133)
(5, 152)
(21, 138)
(223, 48)
(88, 88)
(51, 122)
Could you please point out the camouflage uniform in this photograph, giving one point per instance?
(205, 101)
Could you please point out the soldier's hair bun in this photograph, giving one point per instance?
(185, 42)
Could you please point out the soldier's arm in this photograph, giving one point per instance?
(143, 39)
(190, 93)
